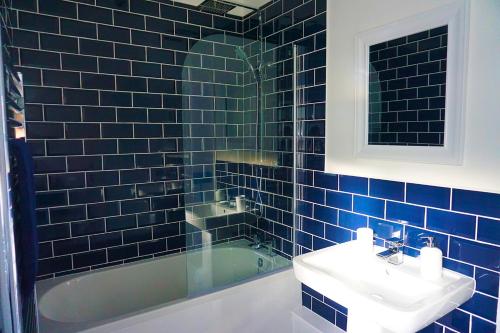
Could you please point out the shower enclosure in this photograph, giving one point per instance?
(212, 200)
(237, 93)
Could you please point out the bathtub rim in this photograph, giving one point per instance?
(42, 287)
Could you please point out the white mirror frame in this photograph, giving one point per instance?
(453, 16)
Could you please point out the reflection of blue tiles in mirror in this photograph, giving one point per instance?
(407, 89)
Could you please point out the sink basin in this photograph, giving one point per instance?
(381, 297)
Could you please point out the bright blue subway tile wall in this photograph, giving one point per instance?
(466, 224)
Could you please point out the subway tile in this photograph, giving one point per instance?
(120, 192)
(66, 181)
(414, 239)
(325, 180)
(313, 195)
(387, 189)
(78, 28)
(102, 178)
(114, 66)
(352, 221)
(130, 52)
(94, 14)
(58, 78)
(475, 253)
(57, 8)
(112, 4)
(104, 209)
(337, 234)
(452, 223)
(457, 266)
(82, 131)
(481, 305)
(313, 227)
(152, 247)
(487, 230)
(29, 5)
(404, 213)
(55, 264)
(98, 114)
(426, 195)
(45, 130)
(112, 98)
(89, 258)
(43, 95)
(325, 214)
(79, 63)
(97, 81)
(87, 227)
(166, 230)
(480, 203)
(122, 252)
(113, 34)
(135, 206)
(99, 146)
(53, 231)
(323, 310)
(73, 245)
(385, 229)
(129, 20)
(58, 43)
(49, 165)
(487, 281)
(482, 326)
(353, 184)
(339, 200)
(38, 22)
(86, 195)
(369, 206)
(457, 320)
(137, 235)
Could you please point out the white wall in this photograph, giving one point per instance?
(481, 165)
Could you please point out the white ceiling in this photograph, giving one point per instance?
(238, 11)
(256, 4)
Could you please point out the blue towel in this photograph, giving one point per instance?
(24, 215)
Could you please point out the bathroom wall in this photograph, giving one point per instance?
(466, 224)
(104, 92)
(285, 23)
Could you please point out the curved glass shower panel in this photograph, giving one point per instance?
(223, 136)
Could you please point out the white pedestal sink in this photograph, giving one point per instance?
(381, 297)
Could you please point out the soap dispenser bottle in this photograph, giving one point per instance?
(431, 260)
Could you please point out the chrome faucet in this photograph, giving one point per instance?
(394, 254)
(256, 243)
(270, 245)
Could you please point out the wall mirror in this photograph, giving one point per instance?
(409, 89)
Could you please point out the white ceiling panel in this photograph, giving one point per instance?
(256, 4)
(240, 11)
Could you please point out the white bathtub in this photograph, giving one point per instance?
(78, 302)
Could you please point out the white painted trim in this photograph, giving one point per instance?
(453, 15)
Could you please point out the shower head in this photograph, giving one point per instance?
(216, 7)
(240, 53)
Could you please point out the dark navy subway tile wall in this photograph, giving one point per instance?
(105, 93)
